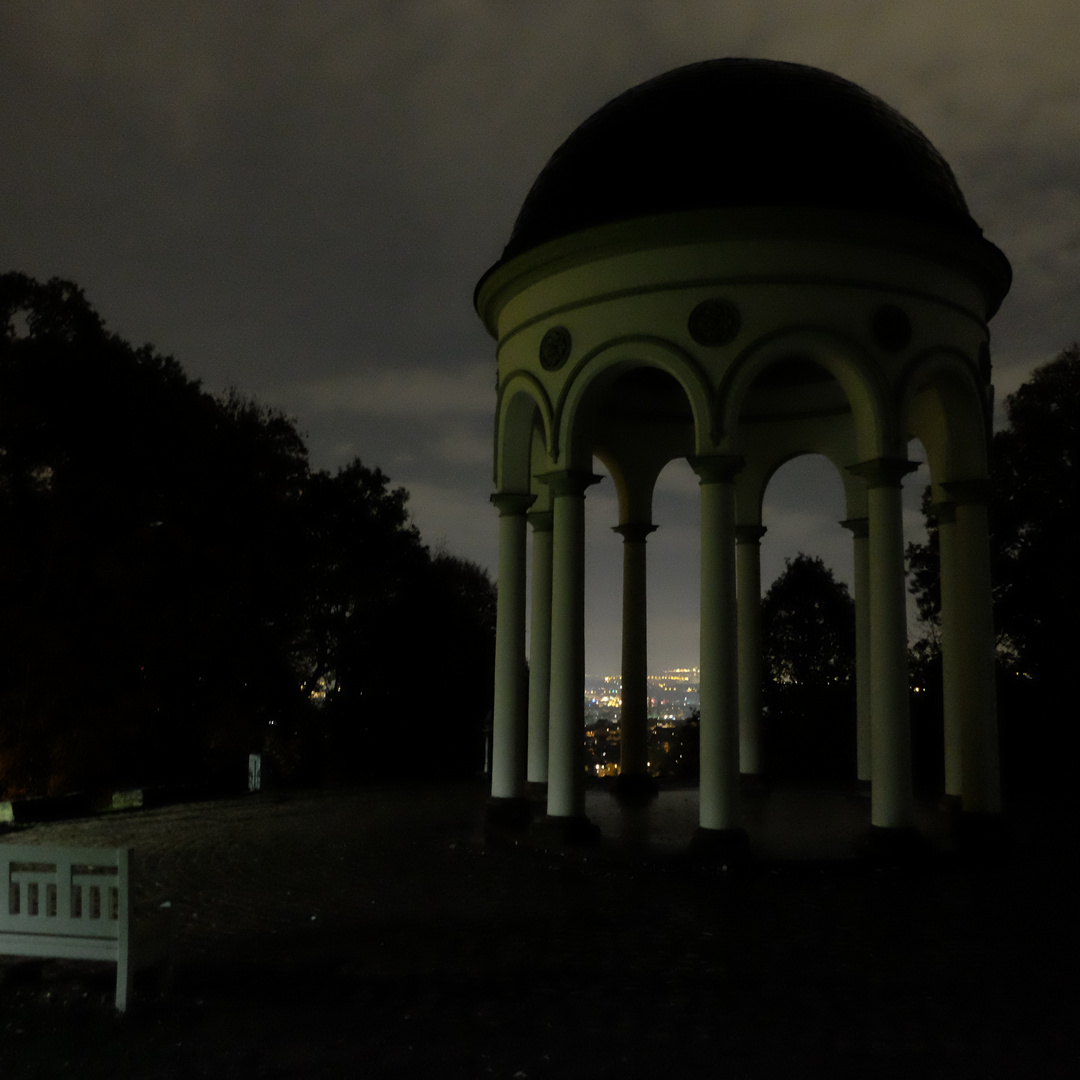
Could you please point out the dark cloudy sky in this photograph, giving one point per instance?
(297, 198)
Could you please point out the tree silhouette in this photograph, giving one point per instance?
(398, 644)
(1034, 518)
(178, 587)
(145, 576)
(460, 659)
(364, 599)
(808, 627)
(808, 667)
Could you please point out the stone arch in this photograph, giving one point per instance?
(943, 403)
(599, 368)
(753, 481)
(522, 404)
(876, 430)
(826, 452)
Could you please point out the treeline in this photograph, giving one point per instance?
(808, 619)
(808, 674)
(1034, 518)
(179, 587)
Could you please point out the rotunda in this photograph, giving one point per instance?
(738, 262)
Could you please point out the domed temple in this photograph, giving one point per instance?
(736, 263)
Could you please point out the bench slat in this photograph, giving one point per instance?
(58, 926)
(60, 948)
(50, 853)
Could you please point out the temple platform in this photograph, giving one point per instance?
(785, 823)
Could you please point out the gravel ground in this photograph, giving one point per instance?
(373, 933)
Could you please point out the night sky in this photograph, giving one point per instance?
(297, 198)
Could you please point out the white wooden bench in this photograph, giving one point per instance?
(75, 903)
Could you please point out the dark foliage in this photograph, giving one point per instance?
(398, 644)
(808, 653)
(924, 583)
(1034, 520)
(143, 612)
(924, 658)
(808, 627)
(178, 587)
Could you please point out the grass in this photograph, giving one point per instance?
(373, 933)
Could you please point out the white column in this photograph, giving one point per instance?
(891, 800)
(860, 543)
(634, 722)
(748, 572)
(566, 746)
(719, 784)
(951, 649)
(975, 651)
(508, 735)
(540, 646)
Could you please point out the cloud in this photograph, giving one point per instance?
(460, 519)
(459, 445)
(332, 175)
(414, 392)
(299, 198)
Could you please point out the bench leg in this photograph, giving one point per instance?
(123, 981)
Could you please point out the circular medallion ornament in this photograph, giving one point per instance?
(555, 348)
(892, 328)
(714, 322)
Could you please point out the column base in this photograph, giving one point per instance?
(980, 837)
(635, 789)
(576, 831)
(507, 817)
(895, 846)
(536, 791)
(727, 848)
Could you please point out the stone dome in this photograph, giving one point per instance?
(740, 133)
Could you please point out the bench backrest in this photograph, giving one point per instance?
(65, 891)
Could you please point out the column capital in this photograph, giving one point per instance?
(945, 512)
(569, 481)
(717, 468)
(968, 492)
(510, 504)
(634, 532)
(858, 527)
(883, 471)
(749, 534)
